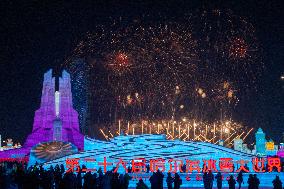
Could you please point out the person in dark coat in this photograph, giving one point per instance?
(87, 180)
(231, 182)
(115, 181)
(170, 181)
(160, 178)
(126, 180)
(277, 184)
(141, 185)
(210, 179)
(219, 179)
(240, 179)
(205, 180)
(256, 182)
(79, 180)
(100, 179)
(177, 181)
(121, 181)
(94, 181)
(250, 182)
(154, 181)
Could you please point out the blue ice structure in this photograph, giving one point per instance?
(157, 146)
(264, 147)
(260, 142)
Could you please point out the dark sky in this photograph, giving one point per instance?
(38, 35)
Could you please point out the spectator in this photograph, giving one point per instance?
(79, 180)
(141, 185)
(231, 182)
(255, 182)
(170, 181)
(94, 181)
(210, 179)
(121, 181)
(277, 184)
(219, 180)
(205, 180)
(250, 182)
(160, 178)
(154, 181)
(126, 180)
(177, 181)
(240, 179)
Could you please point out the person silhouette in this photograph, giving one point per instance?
(250, 182)
(240, 179)
(210, 179)
(205, 180)
(141, 185)
(232, 182)
(177, 181)
(277, 184)
(256, 182)
(219, 179)
(160, 177)
(169, 181)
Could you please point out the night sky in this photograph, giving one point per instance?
(36, 36)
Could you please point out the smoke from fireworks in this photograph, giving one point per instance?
(197, 67)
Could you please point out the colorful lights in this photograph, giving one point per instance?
(185, 129)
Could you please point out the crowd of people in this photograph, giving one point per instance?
(15, 175)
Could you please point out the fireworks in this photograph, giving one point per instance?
(197, 67)
(184, 129)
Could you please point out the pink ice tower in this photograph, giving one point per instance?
(51, 113)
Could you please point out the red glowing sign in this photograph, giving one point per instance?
(192, 165)
(274, 163)
(258, 165)
(209, 165)
(139, 165)
(156, 164)
(72, 165)
(226, 165)
(175, 165)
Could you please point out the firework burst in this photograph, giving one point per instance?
(197, 67)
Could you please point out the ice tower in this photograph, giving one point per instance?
(260, 142)
(55, 120)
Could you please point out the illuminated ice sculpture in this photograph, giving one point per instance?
(55, 112)
(260, 142)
